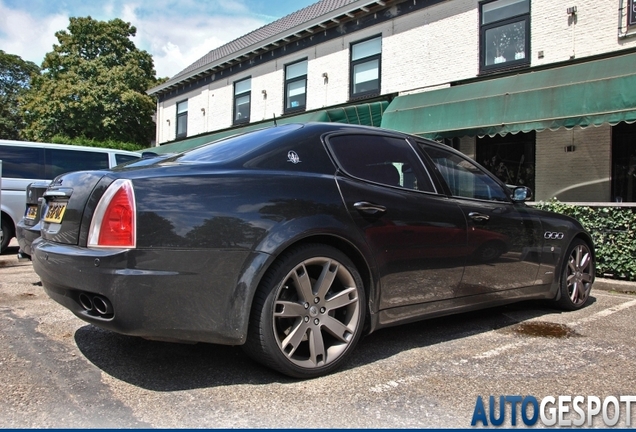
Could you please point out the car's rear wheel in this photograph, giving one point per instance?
(308, 312)
(7, 233)
(577, 276)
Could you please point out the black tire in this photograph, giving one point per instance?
(7, 234)
(577, 276)
(308, 313)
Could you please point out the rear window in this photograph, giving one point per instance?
(236, 146)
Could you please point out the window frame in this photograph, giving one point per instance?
(353, 63)
(485, 177)
(398, 146)
(483, 28)
(288, 81)
(179, 116)
(247, 93)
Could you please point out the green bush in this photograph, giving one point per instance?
(613, 230)
(80, 141)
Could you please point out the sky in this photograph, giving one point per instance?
(175, 33)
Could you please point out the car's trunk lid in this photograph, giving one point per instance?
(69, 204)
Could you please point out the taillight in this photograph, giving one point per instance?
(114, 222)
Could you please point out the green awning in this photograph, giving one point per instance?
(368, 114)
(585, 94)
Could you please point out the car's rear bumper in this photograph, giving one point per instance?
(165, 294)
(26, 235)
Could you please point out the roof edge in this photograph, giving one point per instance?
(328, 17)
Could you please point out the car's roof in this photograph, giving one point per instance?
(34, 144)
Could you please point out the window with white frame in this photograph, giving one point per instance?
(242, 99)
(296, 86)
(366, 59)
(504, 36)
(182, 119)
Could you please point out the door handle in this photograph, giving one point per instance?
(369, 208)
(478, 217)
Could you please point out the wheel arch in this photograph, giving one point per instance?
(357, 257)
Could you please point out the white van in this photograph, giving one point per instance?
(24, 162)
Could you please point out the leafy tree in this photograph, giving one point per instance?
(93, 85)
(15, 77)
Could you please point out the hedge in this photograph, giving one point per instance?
(613, 230)
(88, 142)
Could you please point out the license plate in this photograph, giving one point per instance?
(55, 212)
(31, 212)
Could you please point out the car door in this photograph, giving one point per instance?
(418, 237)
(504, 238)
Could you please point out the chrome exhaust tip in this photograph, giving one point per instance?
(86, 302)
(102, 306)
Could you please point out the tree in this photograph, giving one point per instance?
(15, 77)
(93, 85)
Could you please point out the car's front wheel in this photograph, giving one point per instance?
(577, 276)
(308, 313)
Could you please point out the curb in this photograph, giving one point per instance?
(614, 285)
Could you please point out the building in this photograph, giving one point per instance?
(542, 92)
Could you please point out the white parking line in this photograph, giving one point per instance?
(604, 313)
(501, 349)
(391, 385)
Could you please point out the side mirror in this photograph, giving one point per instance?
(521, 194)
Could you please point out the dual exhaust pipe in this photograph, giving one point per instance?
(96, 305)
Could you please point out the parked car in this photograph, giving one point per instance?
(25, 162)
(28, 228)
(293, 241)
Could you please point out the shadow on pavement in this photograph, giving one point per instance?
(163, 366)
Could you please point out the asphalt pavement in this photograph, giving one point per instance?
(60, 372)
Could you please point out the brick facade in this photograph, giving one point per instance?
(426, 49)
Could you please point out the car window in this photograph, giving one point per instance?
(123, 158)
(22, 162)
(386, 160)
(63, 161)
(236, 146)
(463, 177)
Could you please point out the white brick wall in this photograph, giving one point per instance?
(593, 31)
(420, 50)
(581, 175)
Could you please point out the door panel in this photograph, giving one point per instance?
(504, 237)
(419, 240)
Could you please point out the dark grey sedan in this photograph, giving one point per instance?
(294, 241)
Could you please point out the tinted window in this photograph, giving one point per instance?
(22, 162)
(63, 161)
(386, 160)
(464, 178)
(123, 158)
(236, 146)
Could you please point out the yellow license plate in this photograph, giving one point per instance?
(55, 212)
(31, 212)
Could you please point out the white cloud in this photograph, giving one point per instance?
(175, 40)
(29, 37)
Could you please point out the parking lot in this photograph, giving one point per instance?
(59, 372)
